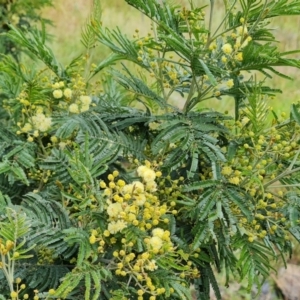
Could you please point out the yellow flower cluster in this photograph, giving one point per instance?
(68, 93)
(230, 54)
(133, 203)
(14, 294)
(8, 254)
(136, 207)
(57, 94)
(36, 123)
(45, 256)
(159, 238)
(5, 247)
(254, 170)
(227, 48)
(41, 122)
(234, 177)
(58, 85)
(82, 105)
(233, 50)
(146, 173)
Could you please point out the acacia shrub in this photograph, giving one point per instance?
(109, 191)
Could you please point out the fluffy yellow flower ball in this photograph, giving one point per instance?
(149, 175)
(84, 108)
(92, 239)
(85, 100)
(73, 108)
(117, 226)
(230, 83)
(57, 94)
(26, 128)
(234, 180)
(151, 186)
(54, 139)
(227, 48)
(141, 170)
(41, 122)
(114, 209)
(146, 173)
(138, 187)
(239, 56)
(51, 292)
(140, 199)
(156, 243)
(68, 93)
(56, 85)
(158, 232)
(226, 170)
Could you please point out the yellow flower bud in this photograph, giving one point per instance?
(110, 177)
(51, 292)
(102, 184)
(115, 173)
(92, 239)
(158, 174)
(9, 245)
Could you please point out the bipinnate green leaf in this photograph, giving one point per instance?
(295, 115)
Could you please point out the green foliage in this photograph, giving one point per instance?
(112, 188)
(23, 14)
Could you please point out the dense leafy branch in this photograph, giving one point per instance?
(111, 189)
